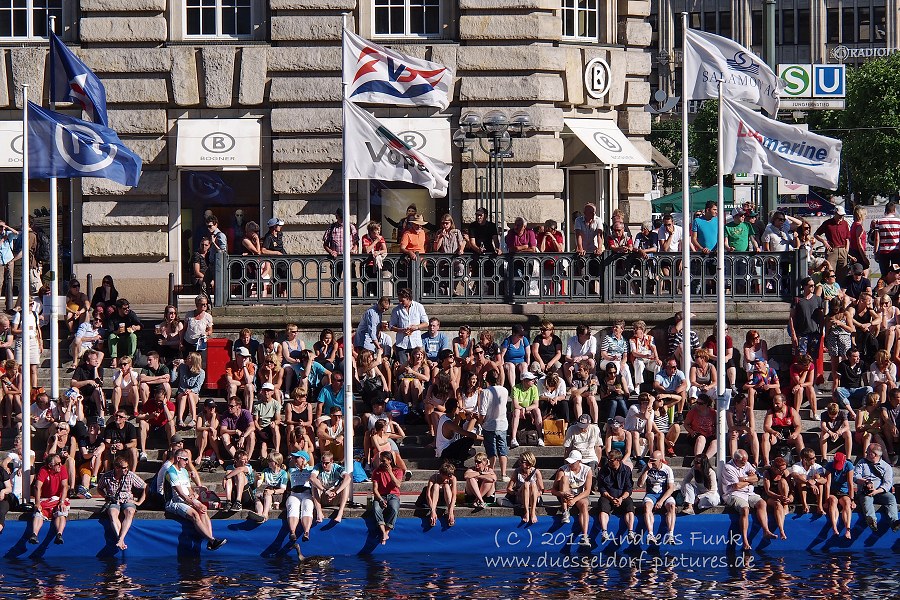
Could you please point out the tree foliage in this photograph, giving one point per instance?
(869, 128)
(666, 137)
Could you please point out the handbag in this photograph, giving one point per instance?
(554, 432)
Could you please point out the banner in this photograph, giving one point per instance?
(752, 143)
(73, 81)
(63, 146)
(709, 59)
(381, 76)
(373, 152)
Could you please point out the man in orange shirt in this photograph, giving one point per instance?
(412, 244)
(239, 375)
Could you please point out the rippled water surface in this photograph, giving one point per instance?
(798, 575)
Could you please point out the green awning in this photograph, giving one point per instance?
(699, 198)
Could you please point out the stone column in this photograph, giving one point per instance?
(818, 32)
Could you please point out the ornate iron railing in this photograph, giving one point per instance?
(501, 278)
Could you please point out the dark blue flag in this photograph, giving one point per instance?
(72, 81)
(63, 146)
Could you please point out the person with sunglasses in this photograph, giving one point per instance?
(330, 486)
(118, 486)
(51, 498)
(183, 501)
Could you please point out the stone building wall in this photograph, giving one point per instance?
(507, 54)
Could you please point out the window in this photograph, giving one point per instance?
(832, 26)
(725, 23)
(848, 26)
(756, 28)
(408, 18)
(803, 26)
(787, 27)
(864, 25)
(580, 19)
(29, 18)
(710, 22)
(219, 18)
(878, 21)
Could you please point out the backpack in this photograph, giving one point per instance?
(42, 248)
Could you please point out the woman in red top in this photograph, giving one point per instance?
(550, 239)
(803, 380)
(700, 425)
(782, 425)
(386, 490)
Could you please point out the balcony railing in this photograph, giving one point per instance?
(503, 278)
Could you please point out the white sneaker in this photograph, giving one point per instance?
(505, 479)
(540, 442)
(142, 456)
(566, 517)
(513, 444)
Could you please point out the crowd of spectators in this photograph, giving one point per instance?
(620, 400)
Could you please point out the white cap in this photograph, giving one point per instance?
(574, 457)
(274, 221)
(243, 351)
(267, 386)
(528, 375)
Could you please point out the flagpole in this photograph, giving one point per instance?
(25, 310)
(686, 212)
(720, 291)
(54, 254)
(348, 290)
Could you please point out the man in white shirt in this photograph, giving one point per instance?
(408, 320)
(581, 346)
(589, 232)
(494, 424)
(779, 233)
(660, 486)
(670, 235)
(738, 479)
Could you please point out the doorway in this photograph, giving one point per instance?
(232, 196)
(585, 185)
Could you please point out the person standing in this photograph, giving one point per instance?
(887, 238)
(834, 233)
(218, 245)
(8, 236)
(408, 320)
(494, 424)
(367, 335)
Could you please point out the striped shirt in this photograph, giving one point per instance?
(888, 228)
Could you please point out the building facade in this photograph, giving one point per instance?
(234, 107)
(806, 31)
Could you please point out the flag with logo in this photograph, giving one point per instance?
(753, 143)
(710, 58)
(72, 81)
(381, 76)
(371, 151)
(63, 146)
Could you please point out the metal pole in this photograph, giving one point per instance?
(686, 212)
(54, 262)
(720, 294)
(770, 184)
(348, 293)
(25, 308)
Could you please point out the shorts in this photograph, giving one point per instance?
(265, 434)
(85, 470)
(299, 505)
(121, 506)
(735, 501)
(495, 443)
(651, 498)
(179, 509)
(606, 506)
(53, 508)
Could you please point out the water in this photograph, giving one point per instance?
(799, 575)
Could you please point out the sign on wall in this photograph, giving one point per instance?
(597, 78)
(10, 144)
(218, 143)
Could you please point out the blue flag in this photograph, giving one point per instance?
(72, 81)
(63, 146)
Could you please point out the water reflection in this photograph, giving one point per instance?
(435, 578)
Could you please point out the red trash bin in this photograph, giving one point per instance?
(218, 353)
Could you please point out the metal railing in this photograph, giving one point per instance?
(500, 278)
(759, 276)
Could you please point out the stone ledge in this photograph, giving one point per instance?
(136, 91)
(152, 183)
(499, 5)
(537, 87)
(313, 58)
(306, 120)
(125, 214)
(312, 4)
(131, 244)
(307, 29)
(123, 5)
(305, 89)
(508, 58)
(534, 26)
(307, 150)
(138, 121)
(127, 60)
(123, 29)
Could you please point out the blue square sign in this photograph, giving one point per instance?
(829, 81)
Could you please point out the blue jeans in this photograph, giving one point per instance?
(387, 516)
(885, 499)
(853, 397)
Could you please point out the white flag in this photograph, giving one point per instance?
(371, 151)
(381, 76)
(710, 58)
(752, 143)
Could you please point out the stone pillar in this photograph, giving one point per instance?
(742, 22)
(819, 33)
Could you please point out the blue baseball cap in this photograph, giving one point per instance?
(301, 454)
